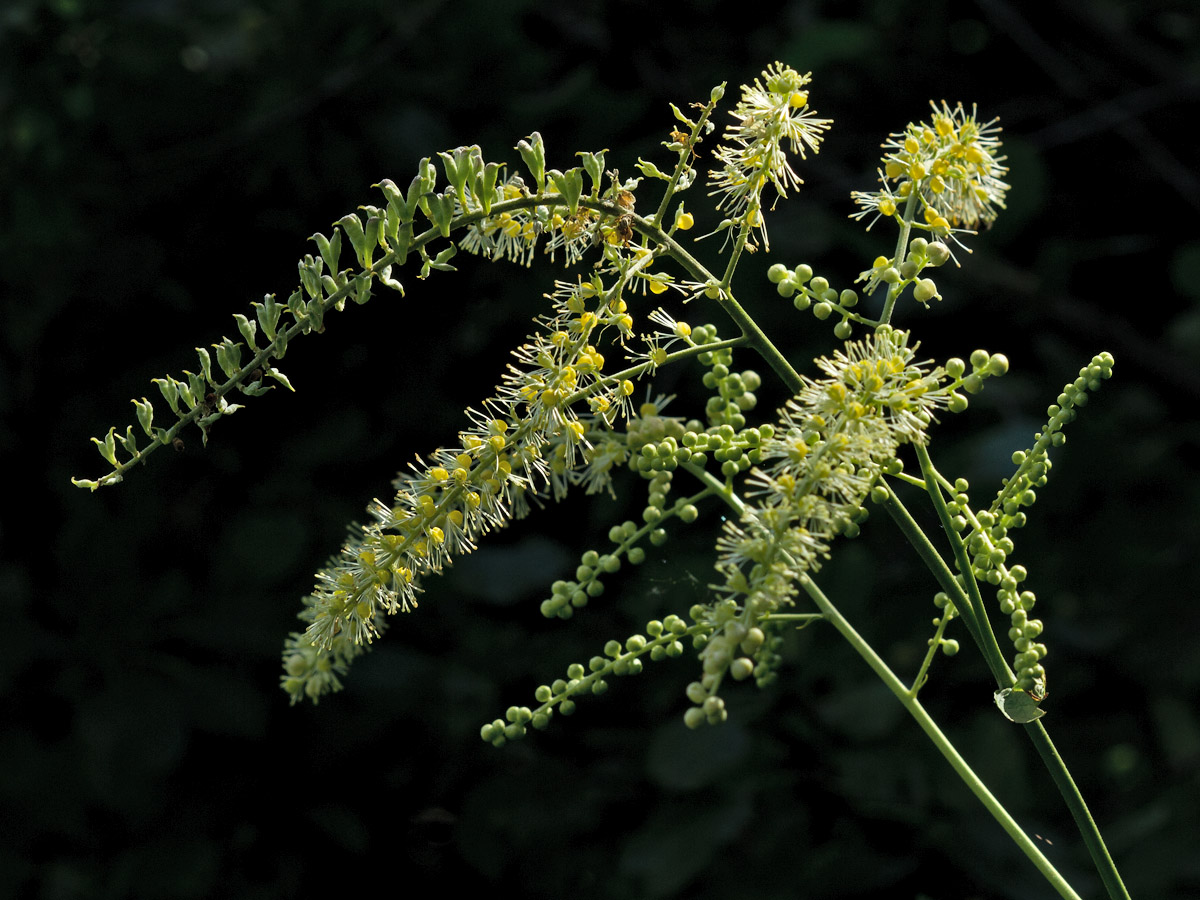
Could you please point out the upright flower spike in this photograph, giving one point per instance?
(752, 154)
(951, 162)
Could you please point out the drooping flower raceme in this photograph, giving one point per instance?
(528, 441)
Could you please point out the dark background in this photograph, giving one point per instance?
(161, 165)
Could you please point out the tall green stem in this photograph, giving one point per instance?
(943, 744)
(1088, 830)
(1037, 733)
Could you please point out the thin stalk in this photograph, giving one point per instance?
(1088, 830)
(988, 644)
(754, 334)
(943, 744)
(933, 560)
(901, 245)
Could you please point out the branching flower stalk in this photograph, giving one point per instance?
(563, 417)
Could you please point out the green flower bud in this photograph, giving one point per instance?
(938, 253)
(925, 290)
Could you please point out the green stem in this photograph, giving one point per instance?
(986, 637)
(933, 560)
(943, 744)
(901, 245)
(694, 137)
(1036, 731)
(1079, 811)
(750, 328)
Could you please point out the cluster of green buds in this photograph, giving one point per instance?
(730, 647)
(988, 533)
(734, 395)
(814, 292)
(662, 640)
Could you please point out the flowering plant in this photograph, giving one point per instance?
(564, 416)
